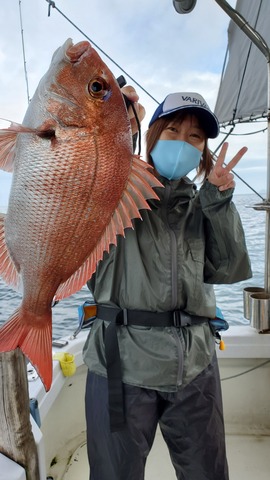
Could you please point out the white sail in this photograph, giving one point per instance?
(243, 89)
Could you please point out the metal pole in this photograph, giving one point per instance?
(242, 23)
(267, 223)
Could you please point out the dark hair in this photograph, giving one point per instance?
(155, 130)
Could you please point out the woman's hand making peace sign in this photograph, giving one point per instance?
(221, 176)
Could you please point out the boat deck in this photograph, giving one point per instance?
(248, 457)
(245, 374)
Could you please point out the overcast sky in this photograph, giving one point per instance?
(162, 50)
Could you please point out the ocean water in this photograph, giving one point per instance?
(229, 297)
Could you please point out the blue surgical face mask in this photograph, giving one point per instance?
(174, 159)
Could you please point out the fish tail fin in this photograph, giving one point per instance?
(33, 338)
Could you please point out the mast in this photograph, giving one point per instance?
(267, 226)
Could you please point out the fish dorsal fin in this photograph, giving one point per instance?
(138, 189)
(8, 137)
(7, 268)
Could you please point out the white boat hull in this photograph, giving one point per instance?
(61, 439)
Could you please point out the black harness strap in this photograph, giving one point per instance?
(125, 317)
(114, 374)
(175, 318)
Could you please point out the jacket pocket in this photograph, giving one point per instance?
(197, 250)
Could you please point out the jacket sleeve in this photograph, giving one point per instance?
(226, 256)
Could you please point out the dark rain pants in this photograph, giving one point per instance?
(191, 422)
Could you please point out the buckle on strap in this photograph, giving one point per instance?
(181, 319)
(121, 318)
(125, 317)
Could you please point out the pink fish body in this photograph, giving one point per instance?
(76, 185)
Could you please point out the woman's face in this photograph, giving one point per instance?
(187, 130)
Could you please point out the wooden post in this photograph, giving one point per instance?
(16, 437)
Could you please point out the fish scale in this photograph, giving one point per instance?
(76, 186)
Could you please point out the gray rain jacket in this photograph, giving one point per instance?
(189, 241)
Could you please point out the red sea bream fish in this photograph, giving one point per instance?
(76, 185)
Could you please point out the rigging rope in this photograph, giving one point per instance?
(245, 134)
(246, 371)
(23, 49)
(53, 5)
(233, 171)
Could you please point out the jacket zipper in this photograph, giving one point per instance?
(173, 243)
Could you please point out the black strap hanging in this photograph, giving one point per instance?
(114, 375)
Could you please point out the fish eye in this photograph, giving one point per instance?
(98, 88)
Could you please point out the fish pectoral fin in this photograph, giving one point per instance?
(7, 149)
(8, 137)
(7, 268)
(33, 337)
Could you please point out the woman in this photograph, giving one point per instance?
(151, 350)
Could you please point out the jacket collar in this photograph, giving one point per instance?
(180, 191)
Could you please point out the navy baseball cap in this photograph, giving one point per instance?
(193, 102)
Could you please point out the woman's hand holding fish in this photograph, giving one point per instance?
(132, 95)
(221, 176)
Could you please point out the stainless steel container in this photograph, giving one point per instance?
(260, 311)
(247, 301)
